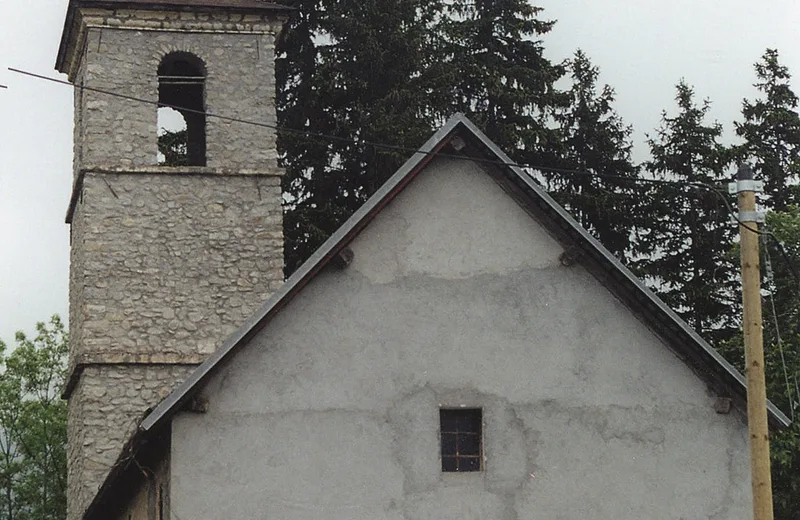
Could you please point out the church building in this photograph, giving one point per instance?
(460, 348)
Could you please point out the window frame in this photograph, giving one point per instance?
(471, 419)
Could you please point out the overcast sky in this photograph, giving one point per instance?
(643, 47)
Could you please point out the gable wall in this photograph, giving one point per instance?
(456, 297)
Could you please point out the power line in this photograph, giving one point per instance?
(328, 137)
(782, 249)
(409, 150)
(771, 279)
(735, 216)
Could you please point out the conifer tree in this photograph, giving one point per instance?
(771, 133)
(490, 65)
(771, 130)
(685, 252)
(390, 72)
(782, 354)
(594, 139)
(298, 107)
(350, 70)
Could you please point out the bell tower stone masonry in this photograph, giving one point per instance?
(166, 260)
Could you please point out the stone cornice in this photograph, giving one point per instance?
(125, 359)
(222, 16)
(203, 171)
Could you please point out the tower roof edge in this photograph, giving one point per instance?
(237, 6)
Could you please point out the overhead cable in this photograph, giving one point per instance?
(409, 150)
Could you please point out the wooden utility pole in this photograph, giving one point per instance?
(746, 187)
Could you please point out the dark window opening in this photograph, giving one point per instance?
(181, 86)
(461, 439)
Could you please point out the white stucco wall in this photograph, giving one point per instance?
(456, 297)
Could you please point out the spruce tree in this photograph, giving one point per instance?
(594, 139)
(299, 108)
(390, 71)
(771, 133)
(685, 252)
(490, 64)
(349, 70)
(771, 130)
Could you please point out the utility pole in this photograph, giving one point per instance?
(757, 425)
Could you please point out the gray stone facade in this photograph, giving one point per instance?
(165, 265)
(104, 409)
(165, 261)
(122, 52)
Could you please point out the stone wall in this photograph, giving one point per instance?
(166, 261)
(167, 265)
(164, 267)
(104, 410)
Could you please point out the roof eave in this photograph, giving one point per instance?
(728, 371)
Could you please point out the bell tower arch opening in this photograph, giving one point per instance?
(172, 138)
(181, 87)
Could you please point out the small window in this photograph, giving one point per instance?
(461, 439)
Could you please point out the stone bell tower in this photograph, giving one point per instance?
(166, 260)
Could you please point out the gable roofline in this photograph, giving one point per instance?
(698, 349)
(682, 339)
